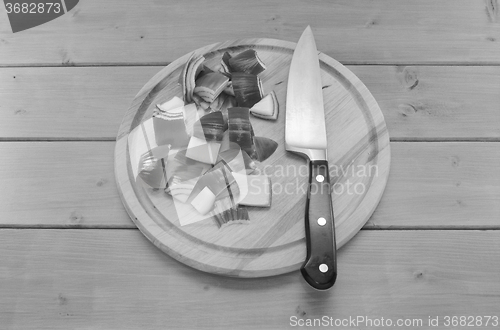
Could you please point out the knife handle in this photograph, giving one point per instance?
(320, 266)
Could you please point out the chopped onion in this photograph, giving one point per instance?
(267, 108)
(247, 89)
(246, 61)
(210, 85)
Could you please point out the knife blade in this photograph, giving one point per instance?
(305, 134)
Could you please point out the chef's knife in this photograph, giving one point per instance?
(305, 134)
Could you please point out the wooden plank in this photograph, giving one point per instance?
(116, 279)
(75, 103)
(423, 102)
(426, 31)
(452, 185)
(435, 184)
(69, 184)
(436, 102)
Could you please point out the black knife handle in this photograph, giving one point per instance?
(320, 266)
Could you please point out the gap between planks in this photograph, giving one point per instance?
(370, 228)
(113, 139)
(145, 64)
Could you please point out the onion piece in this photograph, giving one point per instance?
(246, 61)
(210, 127)
(203, 69)
(229, 88)
(182, 169)
(183, 75)
(202, 151)
(204, 201)
(171, 104)
(225, 68)
(152, 167)
(265, 147)
(257, 188)
(217, 180)
(237, 160)
(240, 130)
(210, 85)
(267, 108)
(247, 89)
(188, 76)
(180, 190)
(191, 116)
(170, 128)
(226, 212)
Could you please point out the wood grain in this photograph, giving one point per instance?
(441, 185)
(418, 102)
(116, 279)
(67, 103)
(436, 102)
(71, 184)
(68, 184)
(118, 31)
(273, 241)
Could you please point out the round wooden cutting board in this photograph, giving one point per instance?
(273, 241)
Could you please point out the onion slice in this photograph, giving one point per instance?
(267, 108)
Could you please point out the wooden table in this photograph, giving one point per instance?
(71, 258)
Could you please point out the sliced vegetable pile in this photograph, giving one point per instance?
(207, 151)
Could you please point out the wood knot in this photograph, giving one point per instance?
(410, 77)
(491, 10)
(407, 109)
(76, 217)
(371, 22)
(101, 182)
(62, 299)
(300, 312)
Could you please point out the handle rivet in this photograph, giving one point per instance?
(321, 221)
(320, 178)
(323, 268)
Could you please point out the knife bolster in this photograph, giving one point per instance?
(308, 153)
